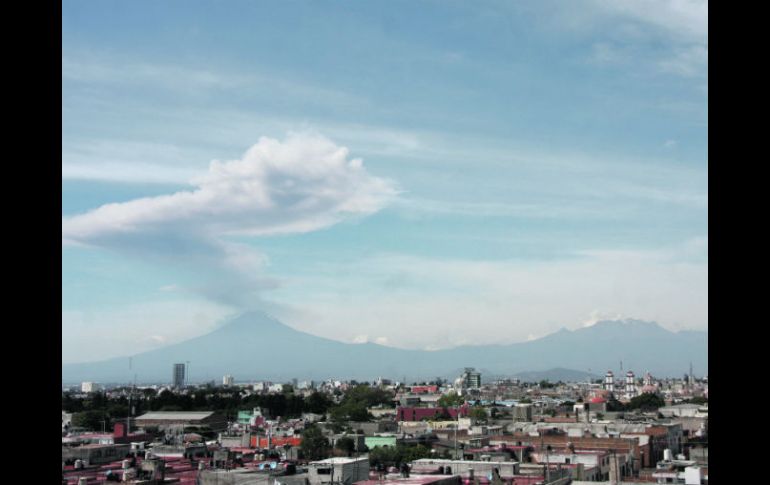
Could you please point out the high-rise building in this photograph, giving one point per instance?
(227, 380)
(471, 378)
(178, 375)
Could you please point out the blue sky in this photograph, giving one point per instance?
(496, 170)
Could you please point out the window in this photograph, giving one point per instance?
(324, 471)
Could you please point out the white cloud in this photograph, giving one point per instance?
(302, 184)
(486, 302)
(598, 316)
(684, 19)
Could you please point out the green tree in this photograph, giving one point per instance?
(647, 402)
(314, 445)
(450, 399)
(317, 403)
(91, 420)
(346, 445)
(479, 413)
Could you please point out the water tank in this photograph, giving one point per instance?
(667, 455)
(82, 481)
(126, 464)
(201, 465)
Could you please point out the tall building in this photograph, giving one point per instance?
(178, 375)
(609, 382)
(228, 380)
(630, 385)
(471, 378)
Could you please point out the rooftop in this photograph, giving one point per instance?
(338, 461)
(176, 415)
(411, 480)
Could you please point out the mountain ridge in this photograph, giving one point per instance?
(258, 346)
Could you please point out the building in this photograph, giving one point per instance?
(464, 468)
(471, 378)
(179, 419)
(630, 386)
(374, 441)
(338, 470)
(178, 377)
(66, 421)
(405, 413)
(94, 454)
(228, 380)
(90, 387)
(609, 382)
(522, 412)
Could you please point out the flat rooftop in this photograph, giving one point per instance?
(338, 461)
(411, 480)
(176, 415)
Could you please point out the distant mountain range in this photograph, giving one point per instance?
(256, 346)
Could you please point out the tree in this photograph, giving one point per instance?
(647, 402)
(317, 403)
(91, 420)
(346, 445)
(314, 445)
(450, 399)
(613, 405)
(479, 413)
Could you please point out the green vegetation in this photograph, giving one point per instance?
(91, 420)
(225, 401)
(646, 402)
(394, 456)
(314, 446)
(356, 401)
(346, 445)
(450, 399)
(479, 413)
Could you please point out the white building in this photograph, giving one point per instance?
(631, 391)
(338, 470)
(89, 387)
(609, 381)
(228, 380)
(275, 388)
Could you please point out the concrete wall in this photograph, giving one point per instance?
(346, 472)
(462, 467)
(94, 455)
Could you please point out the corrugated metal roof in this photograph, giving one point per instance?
(176, 415)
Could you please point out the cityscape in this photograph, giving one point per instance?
(384, 242)
(622, 428)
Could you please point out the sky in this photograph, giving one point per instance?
(416, 174)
